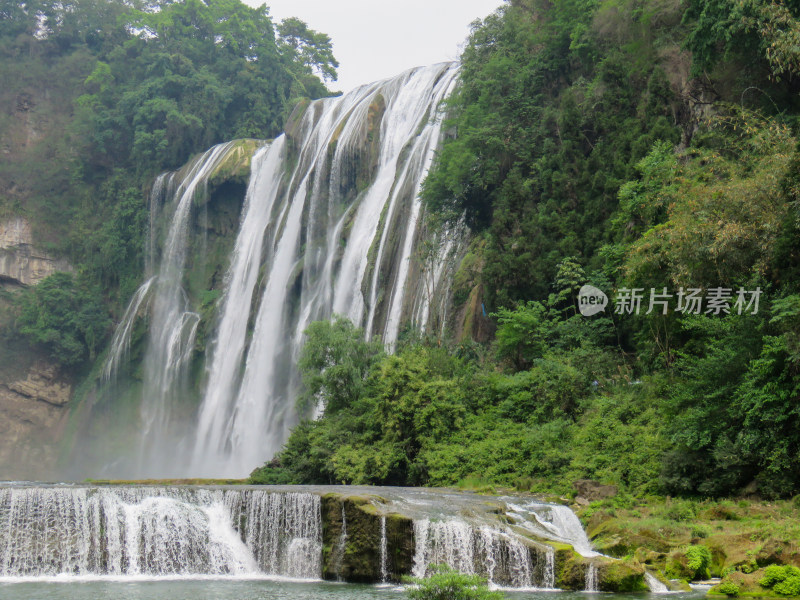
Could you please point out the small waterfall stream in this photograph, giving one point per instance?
(384, 548)
(498, 555)
(591, 578)
(656, 586)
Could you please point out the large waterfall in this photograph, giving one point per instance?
(332, 223)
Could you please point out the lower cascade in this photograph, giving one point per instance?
(297, 532)
(48, 531)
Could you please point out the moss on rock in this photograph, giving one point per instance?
(612, 575)
(359, 558)
(746, 585)
(233, 168)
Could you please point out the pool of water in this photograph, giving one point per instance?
(237, 589)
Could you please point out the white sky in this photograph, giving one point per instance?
(376, 39)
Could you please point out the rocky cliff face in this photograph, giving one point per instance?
(20, 261)
(34, 395)
(33, 409)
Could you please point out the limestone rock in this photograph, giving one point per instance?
(33, 415)
(20, 261)
(358, 560)
(594, 490)
(42, 384)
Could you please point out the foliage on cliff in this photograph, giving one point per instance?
(623, 144)
(100, 95)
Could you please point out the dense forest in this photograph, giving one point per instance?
(640, 146)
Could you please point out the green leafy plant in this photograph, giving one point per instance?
(699, 560)
(448, 584)
(728, 588)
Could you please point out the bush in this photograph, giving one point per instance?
(775, 575)
(699, 560)
(728, 588)
(699, 531)
(789, 587)
(447, 584)
(65, 317)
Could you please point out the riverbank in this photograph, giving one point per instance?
(689, 540)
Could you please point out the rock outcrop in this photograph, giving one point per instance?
(33, 413)
(20, 261)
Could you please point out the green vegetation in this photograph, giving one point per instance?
(447, 584)
(64, 316)
(785, 580)
(101, 95)
(586, 152)
(728, 588)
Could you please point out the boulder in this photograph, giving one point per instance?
(593, 490)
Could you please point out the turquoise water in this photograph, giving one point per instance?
(221, 589)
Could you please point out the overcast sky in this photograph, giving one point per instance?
(376, 39)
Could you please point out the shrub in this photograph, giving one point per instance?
(789, 586)
(728, 588)
(699, 531)
(777, 574)
(65, 317)
(699, 560)
(447, 584)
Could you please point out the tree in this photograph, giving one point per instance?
(310, 48)
(334, 364)
(66, 318)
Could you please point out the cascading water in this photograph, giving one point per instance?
(318, 247)
(653, 583)
(173, 325)
(121, 342)
(252, 532)
(384, 548)
(331, 224)
(498, 555)
(553, 521)
(48, 531)
(591, 578)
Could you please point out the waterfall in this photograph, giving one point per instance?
(591, 578)
(555, 522)
(172, 322)
(173, 325)
(121, 342)
(229, 344)
(332, 223)
(549, 579)
(498, 555)
(323, 230)
(656, 586)
(49, 531)
(384, 551)
(252, 532)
